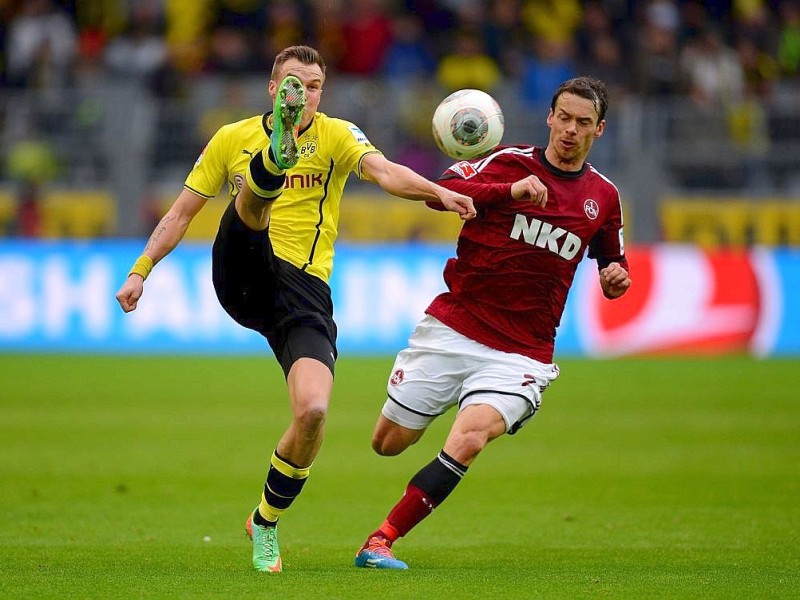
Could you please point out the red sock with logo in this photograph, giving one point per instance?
(426, 490)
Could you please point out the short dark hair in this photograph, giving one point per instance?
(305, 54)
(585, 87)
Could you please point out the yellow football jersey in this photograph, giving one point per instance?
(305, 218)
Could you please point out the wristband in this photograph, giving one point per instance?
(142, 266)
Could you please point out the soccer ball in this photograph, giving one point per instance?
(468, 124)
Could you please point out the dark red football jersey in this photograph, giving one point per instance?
(515, 262)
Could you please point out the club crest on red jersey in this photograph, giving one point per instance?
(591, 208)
(465, 169)
(397, 377)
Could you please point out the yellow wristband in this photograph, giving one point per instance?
(142, 266)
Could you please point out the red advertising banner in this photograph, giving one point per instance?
(683, 300)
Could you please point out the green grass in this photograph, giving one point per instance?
(638, 479)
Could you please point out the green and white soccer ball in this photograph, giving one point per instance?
(468, 124)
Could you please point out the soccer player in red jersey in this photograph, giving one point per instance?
(486, 345)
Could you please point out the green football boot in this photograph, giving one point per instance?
(290, 102)
(266, 554)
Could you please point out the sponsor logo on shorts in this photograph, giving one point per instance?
(529, 380)
(397, 377)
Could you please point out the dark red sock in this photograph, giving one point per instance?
(412, 508)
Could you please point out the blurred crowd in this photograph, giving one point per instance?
(732, 67)
(712, 51)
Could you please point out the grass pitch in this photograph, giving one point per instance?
(132, 477)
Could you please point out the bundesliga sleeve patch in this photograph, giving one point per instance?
(200, 158)
(464, 169)
(358, 134)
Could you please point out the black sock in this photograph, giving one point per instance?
(439, 477)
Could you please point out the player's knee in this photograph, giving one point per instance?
(311, 417)
(392, 441)
(469, 444)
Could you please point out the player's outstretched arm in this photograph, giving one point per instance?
(614, 280)
(401, 181)
(167, 234)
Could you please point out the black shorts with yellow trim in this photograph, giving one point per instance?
(292, 309)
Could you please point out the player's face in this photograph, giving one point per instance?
(312, 78)
(574, 126)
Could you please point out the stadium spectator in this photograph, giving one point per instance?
(760, 69)
(439, 18)
(408, 57)
(549, 62)
(712, 71)
(41, 47)
(605, 60)
(689, 20)
(232, 106)
(486, 345)
(753, 21)
(284, 28)
(596, 22)
(29, 211)
(555, 20)
(327, 30)
(468, 65)
(600, 49)
(367, 36)
(789, 39)
(272, 260)
(140, 52)
(505, 36)
(657, 52)
(230, 52)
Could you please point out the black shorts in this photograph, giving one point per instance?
(289, 307)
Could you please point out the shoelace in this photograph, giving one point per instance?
(269, 544)
(380, 546)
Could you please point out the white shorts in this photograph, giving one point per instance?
(442, 368)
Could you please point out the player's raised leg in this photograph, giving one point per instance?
(265, 174)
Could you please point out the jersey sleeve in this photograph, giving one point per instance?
(608, 244)
(210, 170)
(469, 183)
(350, 145)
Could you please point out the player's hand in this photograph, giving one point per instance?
(458, 203)
(531, 188)
(614, 280)
(130, 292)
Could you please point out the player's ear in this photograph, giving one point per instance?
(601, 126)
(550, 118)
(272, 88)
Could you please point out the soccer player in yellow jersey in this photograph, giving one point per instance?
(273, 253)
